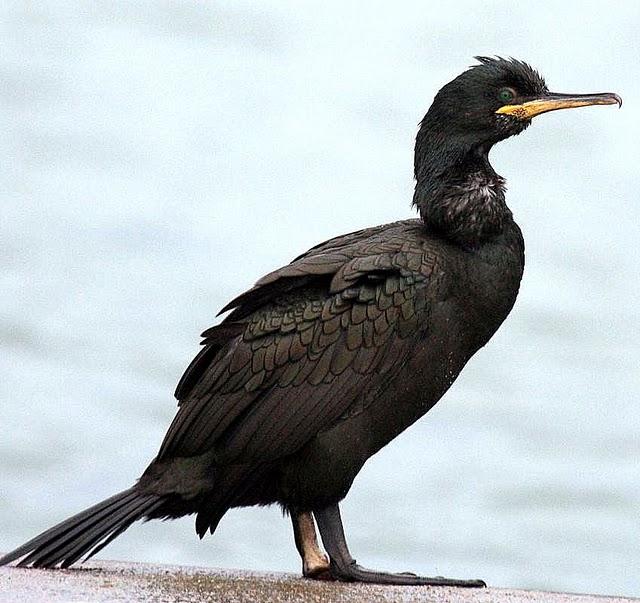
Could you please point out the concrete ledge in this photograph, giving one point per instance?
(101, 581)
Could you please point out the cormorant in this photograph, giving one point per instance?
(326, 360)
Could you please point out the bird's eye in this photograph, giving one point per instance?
(506, 95)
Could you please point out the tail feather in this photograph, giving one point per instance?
(76, 529)
(84, 533)
(98, 542)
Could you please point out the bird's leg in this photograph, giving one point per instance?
(344, 567)
(314, 562)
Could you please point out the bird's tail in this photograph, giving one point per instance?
(85, 533)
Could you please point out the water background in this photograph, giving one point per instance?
(159, 157)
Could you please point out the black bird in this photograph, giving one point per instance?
(326, 360)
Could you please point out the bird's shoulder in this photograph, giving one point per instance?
(339, 262)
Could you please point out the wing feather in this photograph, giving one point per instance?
(311, 343)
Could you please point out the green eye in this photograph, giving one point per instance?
(506, 95)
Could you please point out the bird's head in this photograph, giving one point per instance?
(497, 98)
(457, 191)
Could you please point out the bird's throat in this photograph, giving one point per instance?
(462, 199)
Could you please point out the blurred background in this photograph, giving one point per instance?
(159, 157)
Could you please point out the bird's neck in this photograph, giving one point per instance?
(458, 193)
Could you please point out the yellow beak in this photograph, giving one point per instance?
(553, 102)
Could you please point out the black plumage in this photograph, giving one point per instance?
(326, 360)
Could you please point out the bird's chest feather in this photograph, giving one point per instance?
(489, 284)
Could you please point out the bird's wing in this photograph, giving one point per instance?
(308, 343)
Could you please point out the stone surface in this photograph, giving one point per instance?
(101, 581)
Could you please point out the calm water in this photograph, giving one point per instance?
(159, 158)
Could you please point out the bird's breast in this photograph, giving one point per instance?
(488, 286)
